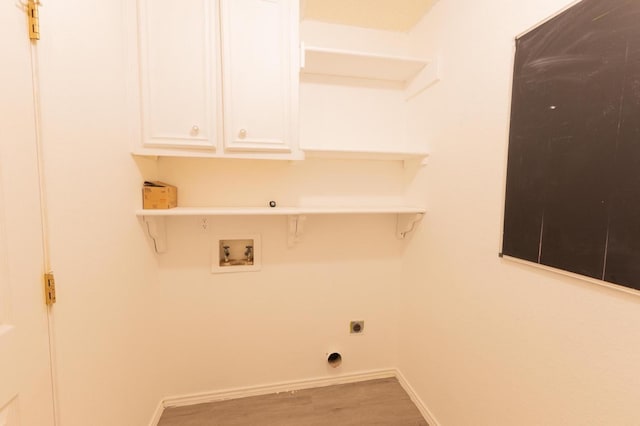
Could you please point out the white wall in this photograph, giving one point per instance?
(489, 341)
(221, 331)
(105, 318)
(132, 327)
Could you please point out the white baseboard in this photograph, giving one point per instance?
(424, 410)
(204, 397)
(157, 414)
(199, 398)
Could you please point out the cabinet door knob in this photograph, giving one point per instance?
(242, 133)
(195, 130)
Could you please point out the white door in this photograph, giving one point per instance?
(25, 369)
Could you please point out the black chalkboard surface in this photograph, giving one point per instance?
(573, 172)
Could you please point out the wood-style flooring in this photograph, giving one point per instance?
(380, 402)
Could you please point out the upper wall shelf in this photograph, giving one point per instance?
(345, 63)
(366, 155)
(406, 218)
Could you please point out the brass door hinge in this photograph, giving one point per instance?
(33, 19)
(49, 288)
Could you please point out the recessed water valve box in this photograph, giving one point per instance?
(236, 253)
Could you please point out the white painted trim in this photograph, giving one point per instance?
(44, 224)
(244, 392)
(422, 407)
(235, 393)
(157, 414)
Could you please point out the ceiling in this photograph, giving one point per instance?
(390, 15)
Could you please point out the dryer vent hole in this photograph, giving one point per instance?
(334, 359)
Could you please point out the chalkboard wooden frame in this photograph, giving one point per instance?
(573, 172)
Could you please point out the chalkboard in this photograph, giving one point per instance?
(573, 172)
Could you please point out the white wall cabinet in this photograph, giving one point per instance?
(260, 82)
(216, 78)
(177, 76)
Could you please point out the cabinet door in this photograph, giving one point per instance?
(176, 71)
(260, 74)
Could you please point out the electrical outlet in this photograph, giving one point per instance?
(204, 224)
(356, 327)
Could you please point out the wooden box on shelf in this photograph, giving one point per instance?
(159, 195)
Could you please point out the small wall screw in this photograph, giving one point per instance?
(272, 203)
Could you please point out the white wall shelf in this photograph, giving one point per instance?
(354, 102)
(346, 63)
(366, 155)
(275, 211)
(407, 217)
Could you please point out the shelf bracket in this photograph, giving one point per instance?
(157, 232)
(296, 228)
(406, 223)
(428, 77)
(413, 162)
